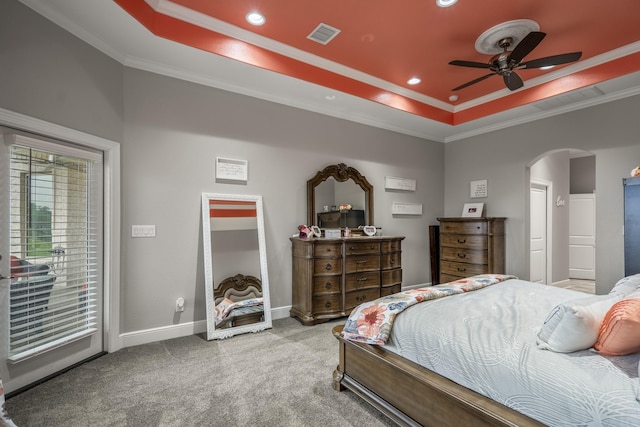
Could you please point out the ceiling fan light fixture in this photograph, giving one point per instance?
(446, 3)
(255, 18)
(414, 81)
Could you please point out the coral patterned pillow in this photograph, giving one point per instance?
(620, 329)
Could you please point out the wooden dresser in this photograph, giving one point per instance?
(470, 246)
(333, 276)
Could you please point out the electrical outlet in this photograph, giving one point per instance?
(179, 305)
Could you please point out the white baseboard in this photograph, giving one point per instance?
(147, 336)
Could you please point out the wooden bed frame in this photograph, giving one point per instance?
(236, 288)
(412, 395)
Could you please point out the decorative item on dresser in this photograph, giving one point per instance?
(470, 246)
(332, 276)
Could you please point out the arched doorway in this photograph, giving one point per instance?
(561, 239)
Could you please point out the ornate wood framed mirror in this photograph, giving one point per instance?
(338, 185)
(235, 265)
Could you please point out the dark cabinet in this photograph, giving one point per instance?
(470, 246)
(631, 226)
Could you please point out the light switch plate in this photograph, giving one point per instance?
(143, 231)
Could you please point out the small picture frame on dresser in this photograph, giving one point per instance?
(332, 233)
(472, 210)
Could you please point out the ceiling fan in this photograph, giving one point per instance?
(506, 62)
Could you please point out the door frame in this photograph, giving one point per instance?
(549, 226)
(112, 340)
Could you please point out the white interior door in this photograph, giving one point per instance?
(538, 233)
(582, 236)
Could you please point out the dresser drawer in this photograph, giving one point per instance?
(326, 285)
(357, 263)
(463, 241)
(445, 278)
(390, 246)
(327, 266)
(392, 260)
(328, 250)
(472, 256)
(360, 248)
(390, 290)
(462, 269)
(326, 303)
(361, 280)
(355, 298)
(454, 227)
(391, 277)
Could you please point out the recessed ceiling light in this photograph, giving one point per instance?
(453, 98)
(330, 97)
(255, 18)
(413, 81)
(446, 3)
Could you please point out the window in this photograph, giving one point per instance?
(54, 243)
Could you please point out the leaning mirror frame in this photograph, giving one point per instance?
(340, 173)
(212, 332)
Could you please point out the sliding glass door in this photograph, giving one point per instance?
(51, 298)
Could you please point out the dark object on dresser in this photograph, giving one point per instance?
(340, 219)
(470, 246)
(631, 226)
(333, 276)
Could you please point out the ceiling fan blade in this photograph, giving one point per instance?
(471, 64)
(513, 81)
(547, 61)
(526, 45)
(472, 82)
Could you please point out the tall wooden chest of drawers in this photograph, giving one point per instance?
(470, 246)
(332, 276)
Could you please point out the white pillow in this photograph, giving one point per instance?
(574, 325)
(626, 286)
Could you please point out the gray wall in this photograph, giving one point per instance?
(583, 175)
(173, 132)
(47, 73)
(609, 131)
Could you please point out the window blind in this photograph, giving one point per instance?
(55, 231)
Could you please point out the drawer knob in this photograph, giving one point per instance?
(328, 267)
(361, 298)
(462, 241)
(361, 279)
(462, 255)
(363, 261)
(392, 261)
(462, 270)
(327, 285)
(327, 304)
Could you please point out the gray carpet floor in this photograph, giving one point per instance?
(278, 377)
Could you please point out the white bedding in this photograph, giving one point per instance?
(485, 340)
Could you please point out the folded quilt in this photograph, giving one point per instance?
(371, 321)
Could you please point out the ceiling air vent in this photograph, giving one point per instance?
(569, 98)
(323, 33)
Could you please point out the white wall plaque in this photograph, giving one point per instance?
(478, 189)
(395, 183)
(406, 208)
(231, 169)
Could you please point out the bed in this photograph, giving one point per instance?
(238, 301)
(486, 366)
